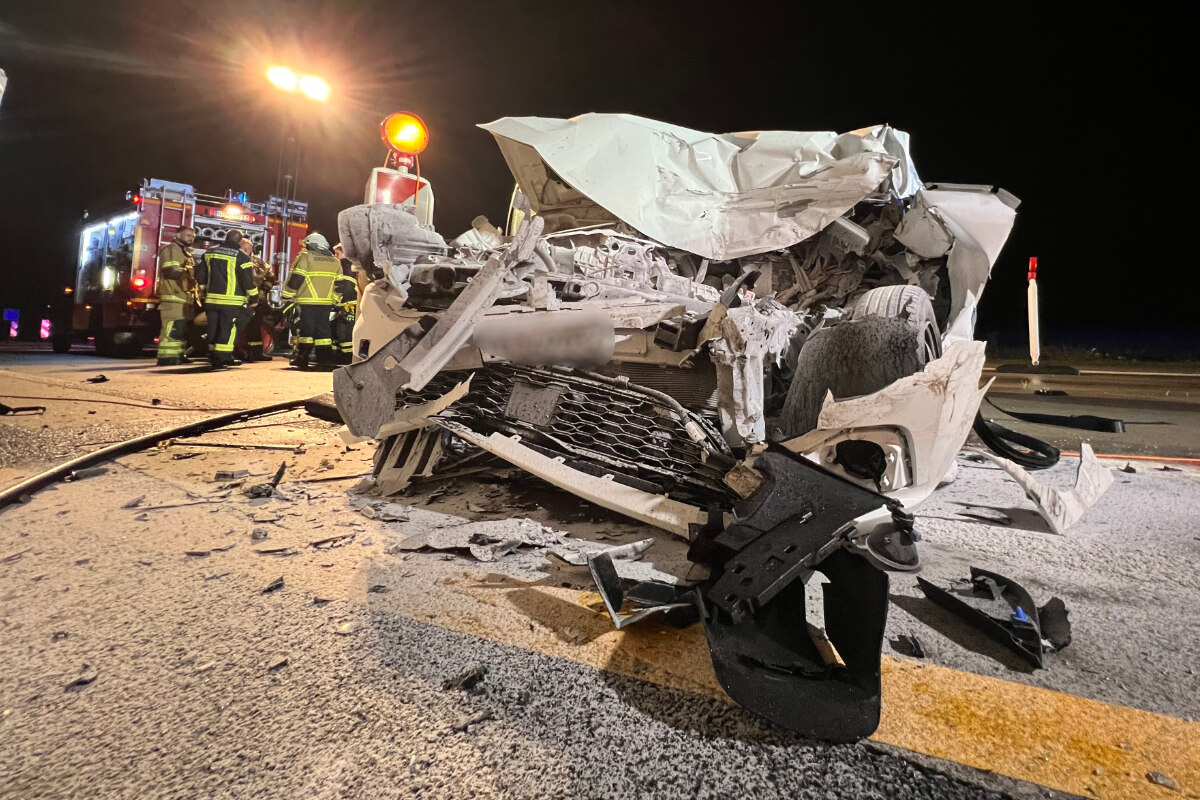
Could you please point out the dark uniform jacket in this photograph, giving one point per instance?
(226, 276)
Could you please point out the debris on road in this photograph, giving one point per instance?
(1062, 508)
(333, 541)
(258, 534)
(347, 627)
(88, 472)
(486, 540)
(97, 379)
(377, 588)
(908, 645)
(6, 411)
(15, 556)
(580, 557)
(197, 553)
(135, 502)
(274, 586)
(1165, 468)
(1004, 610)
(1128, 468)
(386, 512)
(231, 474)
(277, 551)
(1162, 780)
(88, 675)
(468, 681)
(676, 609)
(474, 719)
(266, 489)
(277, 663)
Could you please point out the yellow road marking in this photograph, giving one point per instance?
(1057, 740)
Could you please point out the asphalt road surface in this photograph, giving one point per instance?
(142, 657)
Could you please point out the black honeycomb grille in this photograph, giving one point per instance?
(595, 427)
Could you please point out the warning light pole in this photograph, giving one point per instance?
(1035, 337)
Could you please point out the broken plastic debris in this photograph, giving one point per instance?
(87, 676)
(348, 627)
(97, 379)
(274, 586)
(1162, 780)
(276, 551)
(386, 512)
(135, 502)
(231, 475)
(467, 681)
(1062, 508)
(266, 489)
(1004, 610)
(277, 663)
(908, 645)
(333, 541)
(474, 719)
(89, 472)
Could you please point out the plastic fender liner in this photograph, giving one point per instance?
(764, 654)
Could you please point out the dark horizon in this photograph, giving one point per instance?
(98, 99)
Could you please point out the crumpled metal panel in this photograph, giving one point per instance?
(721, 196)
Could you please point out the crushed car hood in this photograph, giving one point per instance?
(721, 196)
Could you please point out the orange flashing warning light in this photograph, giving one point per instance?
(405, 133)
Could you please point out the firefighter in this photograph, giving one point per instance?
(176, 280)
(345, 308)
(310, 285)
(226, 281)
(252, 317)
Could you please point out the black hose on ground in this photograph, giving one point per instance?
(1008, 444)
(14, 494)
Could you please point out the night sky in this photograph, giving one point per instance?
(1066, 115)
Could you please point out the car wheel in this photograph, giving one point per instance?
(890, 334)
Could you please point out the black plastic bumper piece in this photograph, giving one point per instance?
(765, 654)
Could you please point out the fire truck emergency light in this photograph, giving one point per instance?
(405, 133)
(138, 282)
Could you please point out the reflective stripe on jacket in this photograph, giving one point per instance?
(226, 276)
(173, 274)
(311, 280)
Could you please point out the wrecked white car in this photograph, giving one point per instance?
(759, 341)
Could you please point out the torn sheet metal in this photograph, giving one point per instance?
(721, 196)
(1062, 508)
(366, 392)
(657, 510)
(746, 337)
(920, 422)
(980, 222)
(1006, 611)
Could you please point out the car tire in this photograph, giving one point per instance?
(890, 334)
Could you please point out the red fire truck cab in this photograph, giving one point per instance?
(115, 302)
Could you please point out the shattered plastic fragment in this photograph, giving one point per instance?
(1062, 508)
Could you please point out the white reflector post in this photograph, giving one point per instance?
(1035, 337)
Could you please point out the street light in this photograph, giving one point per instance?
(283, 77)
(316, 89)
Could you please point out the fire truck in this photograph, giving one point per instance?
(114, 299)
